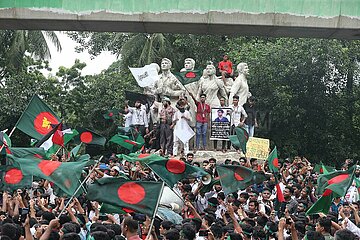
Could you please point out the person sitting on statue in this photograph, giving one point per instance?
(226, 68)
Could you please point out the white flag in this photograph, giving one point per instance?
(145, 76)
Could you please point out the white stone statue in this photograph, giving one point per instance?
(168, 84)
(240, 86)
(212, 86)
(150, 90)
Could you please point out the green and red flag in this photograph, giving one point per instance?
(190, 76)
(234, 178)
(273, 161)
(331, 185)
(173, 170)
(108, 208)
(89, 137)
(5, 143)
(141, 157)
(240, 139)
(65, 175)
(322, 169)
(126, 142)
(28, 152)
(12, 178)
(111, 114)
(38, 119)
(338, 181)
(137, 196)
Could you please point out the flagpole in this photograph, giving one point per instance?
(155, 211)
(81, 185)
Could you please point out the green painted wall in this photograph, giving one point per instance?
(321, 8)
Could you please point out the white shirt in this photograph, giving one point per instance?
(139, 117)
(237, 112)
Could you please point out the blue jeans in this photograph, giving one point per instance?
(250, 129)
(201, 129)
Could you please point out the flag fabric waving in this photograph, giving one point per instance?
(65, 175)
(329, 186)
(240, 139)
(89, 137)
(145, 76)
(126, 142)
(132, 97)
(141, 157)
(37, 119)
(234, 178)
(173, 170)
(322, 169)
(12, 178)
(190, 76)
(28, 152)
(138, 196)
(273, 161)
(111, 114)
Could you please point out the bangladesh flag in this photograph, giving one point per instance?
(28, 152)
(108, 208)
(89, 137)
(173, 170)
(65, 175)
(322, 205)
(189, 76)
(240, 139)
(234, 178)
(126, 142)
(135, 196)
(322, 169)
(141, 157)
(5, 143)
(12, 178)
(111, 114)
(338, 181)
(38, 119)
(273, 161)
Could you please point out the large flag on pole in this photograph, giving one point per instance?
(38, 119)
(145, 76)
(138, 196)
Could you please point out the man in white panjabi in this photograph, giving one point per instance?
(212, 86)
(181, 121)
(240, 86)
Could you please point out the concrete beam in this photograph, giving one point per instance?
(213, 22)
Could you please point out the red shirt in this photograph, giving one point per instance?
(226, 66)
(202, 112)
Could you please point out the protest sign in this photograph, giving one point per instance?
(257, 148)
(220, 123)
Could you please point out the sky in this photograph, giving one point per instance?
(68, 55)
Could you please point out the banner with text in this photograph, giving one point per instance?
(220, 123)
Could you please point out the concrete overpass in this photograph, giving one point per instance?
(273, 18)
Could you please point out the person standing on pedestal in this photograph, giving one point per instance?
(181, 114)
(202, 119)
(251, 121)
(166, 127)
(238, 115)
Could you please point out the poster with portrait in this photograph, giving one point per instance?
(220, 123)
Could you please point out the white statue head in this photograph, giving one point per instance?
(189, 64)
(210, 70)
(155, 65)
(166, 64)
(243, 68)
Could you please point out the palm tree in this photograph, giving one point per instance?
(142, 48)
(20, 42)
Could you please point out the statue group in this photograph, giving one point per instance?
(214, 87)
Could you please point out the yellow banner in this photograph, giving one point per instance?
(257, 148)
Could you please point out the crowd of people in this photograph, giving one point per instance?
(207, 213)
